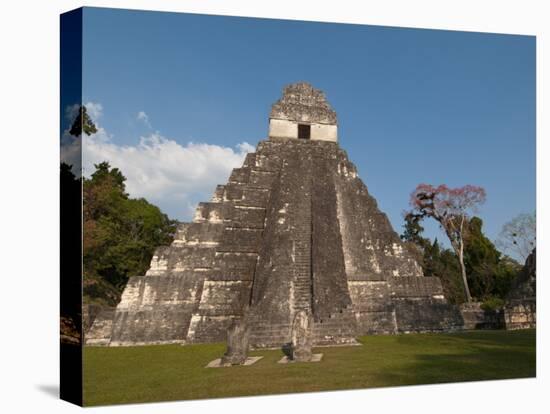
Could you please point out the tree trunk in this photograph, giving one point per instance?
(463, 271)
(458, 247)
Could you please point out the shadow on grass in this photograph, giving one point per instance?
(466, 356)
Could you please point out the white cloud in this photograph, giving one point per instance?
(158, 166)
(94, 110)
(143, 117)
(71, 111)
(173, 176)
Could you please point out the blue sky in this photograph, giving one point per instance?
(413, 105)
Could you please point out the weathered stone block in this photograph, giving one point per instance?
(239, 175)
(426, 315)
(233, 192)
(235, 266)
(240, 240)
(520, 314)
(249, 217)
(224, 297)
(214, 212)
(253, 197)
(475, 317)
(162, 325)
(416, 286)
(262, 179)
(199, 233)
(204, 329)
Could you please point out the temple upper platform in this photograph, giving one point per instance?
(303, 113)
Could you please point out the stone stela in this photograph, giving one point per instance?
(237, 342)
(302, 341)
(294, 231)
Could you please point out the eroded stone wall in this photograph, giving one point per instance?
(520, 309)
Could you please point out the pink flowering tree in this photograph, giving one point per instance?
(451, 208)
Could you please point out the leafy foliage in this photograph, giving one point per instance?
(490, 274)
(120, 234)
(434, 259)
(492, 303)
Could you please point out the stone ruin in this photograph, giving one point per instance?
(520, 310)
(294, 229)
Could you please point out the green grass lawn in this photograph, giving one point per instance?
(174, 372)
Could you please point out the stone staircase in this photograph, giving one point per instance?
(302, 283)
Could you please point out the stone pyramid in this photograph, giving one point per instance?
(293, 229)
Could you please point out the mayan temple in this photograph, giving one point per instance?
(293, 229)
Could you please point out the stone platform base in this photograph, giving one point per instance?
(287, 360)
(217, 363)
(475, 317)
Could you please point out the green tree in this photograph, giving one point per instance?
(442, 262)
(489, 272)
(120, 234)
(451, 208)
(434, 259)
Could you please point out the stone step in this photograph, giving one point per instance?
(264, 331)
(335, 325)
(333, 334)
(334, 341)
(268, 330)
(269, 334)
